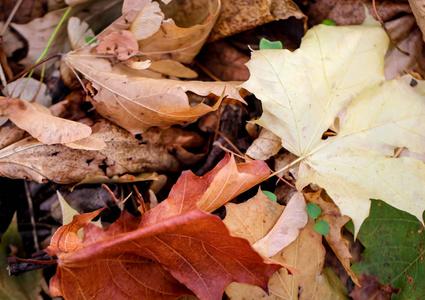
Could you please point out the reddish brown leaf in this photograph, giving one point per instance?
(209, 192)
(195, 247)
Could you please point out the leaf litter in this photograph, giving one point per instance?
(177, 247)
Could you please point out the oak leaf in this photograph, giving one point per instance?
(302, 93)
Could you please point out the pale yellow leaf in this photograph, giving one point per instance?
(265, 146)
(302, 93)
(78, 31)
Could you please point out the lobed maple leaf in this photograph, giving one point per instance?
(176, 249)
(304, 92)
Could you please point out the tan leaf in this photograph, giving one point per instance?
(265, 146)
(41, 125)
(88, 143)
(172, 68)
(123, 153)
(418, 10)
(253, 219)
(307, 255)
(137, 103)
(339, 245)
(287, 228)
(147, 21)
(184, 33)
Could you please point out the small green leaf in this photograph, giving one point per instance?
(328, 22)
(313, 210)
(266, 44)
(322, 227)
(270, 195)
(90, 40)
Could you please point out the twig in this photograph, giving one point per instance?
(27, 70)
(9, 19)
(140, 200)
(230, 143)
(31, 209)
(399, 152)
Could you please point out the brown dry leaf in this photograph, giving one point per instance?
(183, 34)
(137, 103)
(41, 124)
(122, 44)
(418, 9)
(265, 146)
(307, 255)
(339, 245)
(241, 15)
(123, 153)
(9, 134)
(172, 68)
(286, 229)
(253, 219)
(408, 36)
(370, 289)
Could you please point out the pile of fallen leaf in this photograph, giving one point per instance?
(273, 150)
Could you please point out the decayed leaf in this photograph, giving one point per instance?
(341, 64)
(41, 124)
(286, 229)
(241, 15)
(122, 257)
(307, 255)
(340, 246)
(209, 192)
(123, 153)
(137, 103)
(122, 44)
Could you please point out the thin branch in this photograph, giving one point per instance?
(31, 209)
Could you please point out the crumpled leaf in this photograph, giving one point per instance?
(340, 246)
(123, 153)
(122, 44)
(130, 259)
(286, 229)
(38, 122)
(137, 103)
(24, 286)
(340, 64)
(209, 192)
(241, 15)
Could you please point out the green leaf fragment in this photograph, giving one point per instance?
(313, 210)
(328, 22)
(90, 40)
(270, 195)
(322, 227)
(266, 44)
(394, 250)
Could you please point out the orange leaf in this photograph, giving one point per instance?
(196, 248)
(209, 192)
